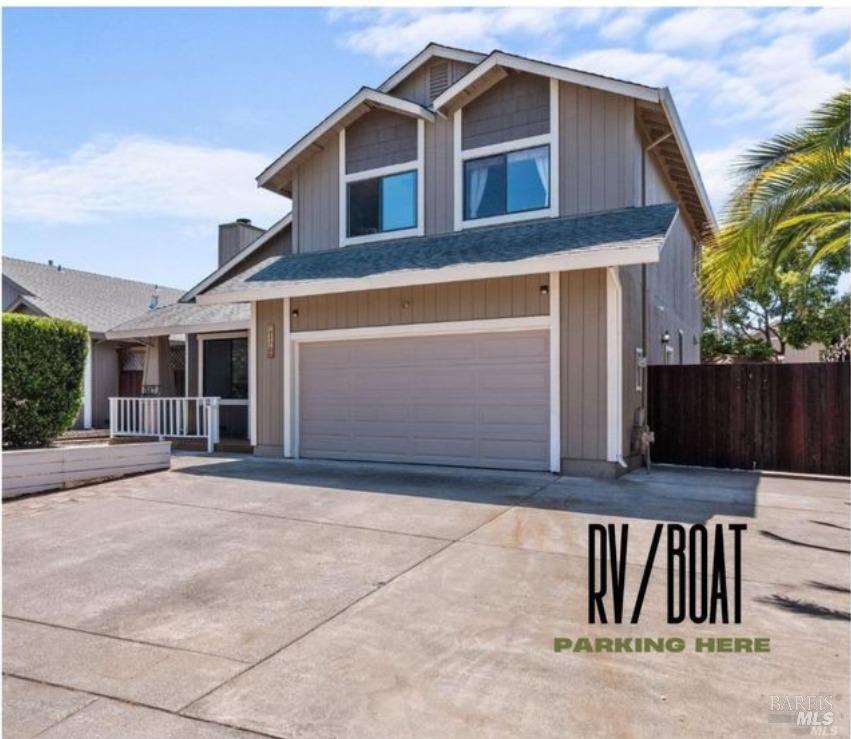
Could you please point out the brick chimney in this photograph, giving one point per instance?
(234, 237)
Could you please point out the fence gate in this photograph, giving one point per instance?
(792, 418)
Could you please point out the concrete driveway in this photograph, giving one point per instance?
(231, 597)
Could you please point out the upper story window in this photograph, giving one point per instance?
(382, 204)
(511, 182)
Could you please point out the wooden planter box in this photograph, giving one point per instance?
(37, 470)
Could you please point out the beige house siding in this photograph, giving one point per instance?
(672, 299)
(583, 367)
(439, 179)
(104, 380)
(503, 297)
(672, 305)
(514, 108)
(378, 139)
(597, 168)
(270, 379)
(316, 199)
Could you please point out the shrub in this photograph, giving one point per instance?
(43, 364)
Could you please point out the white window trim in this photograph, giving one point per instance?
(226, 335)
(487, 325)
(416, 165)
(460, 155)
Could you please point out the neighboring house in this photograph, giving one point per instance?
(98, 302)
(482, 253)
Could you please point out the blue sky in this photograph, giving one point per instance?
(129, 134)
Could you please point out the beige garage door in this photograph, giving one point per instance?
(478, 400)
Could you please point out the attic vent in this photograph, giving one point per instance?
(438, 79)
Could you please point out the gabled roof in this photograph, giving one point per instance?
(625, 236)
(275, 176)
(97, 301)
(429, 52)
(492, 68)
(655, 110)
(242, 254)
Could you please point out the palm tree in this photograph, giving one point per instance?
(794, 193)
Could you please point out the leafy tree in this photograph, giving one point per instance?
(794, 196)
(781, 308)
(43, 364)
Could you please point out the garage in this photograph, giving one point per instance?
(478, 400)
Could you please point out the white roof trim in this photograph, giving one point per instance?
(565, 74)
(430, 51)
(180, 328)
(667, 102)
(272, 231)
(587, 258)
(364, 95)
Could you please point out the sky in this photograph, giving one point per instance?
(129, 134)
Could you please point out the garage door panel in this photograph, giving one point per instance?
(476, 400)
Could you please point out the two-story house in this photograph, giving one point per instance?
(482, 254)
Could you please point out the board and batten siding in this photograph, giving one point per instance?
(439, 178)
(583, 368)
(597, 167)
(316, 199)
(502, 297)
(270, 379)
(104, 380)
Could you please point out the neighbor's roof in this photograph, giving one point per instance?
(626, 236)
(184, 318)
(97, 301)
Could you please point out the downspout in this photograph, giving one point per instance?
(645, 435)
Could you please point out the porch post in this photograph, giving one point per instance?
(555, 371)
(287, 395)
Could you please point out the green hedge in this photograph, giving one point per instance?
(43, 364)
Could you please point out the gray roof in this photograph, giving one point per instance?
(626, 227)
(97, 301)
(181, 318)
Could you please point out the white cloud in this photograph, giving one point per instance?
(400, 33)
(701, 28)
(625, 25)
(648, 67)
(137, 176)
(716, 166)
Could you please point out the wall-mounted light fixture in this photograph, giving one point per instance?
(666, 337)
(545, 289)
(294, 313)
(406, 304)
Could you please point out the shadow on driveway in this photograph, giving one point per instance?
(683, 496)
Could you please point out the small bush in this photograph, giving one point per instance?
(43, 364)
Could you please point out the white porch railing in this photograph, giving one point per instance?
(183, 418)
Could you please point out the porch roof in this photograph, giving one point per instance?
(183, 318)
(624, 236)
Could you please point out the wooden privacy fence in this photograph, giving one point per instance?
(793, 418)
